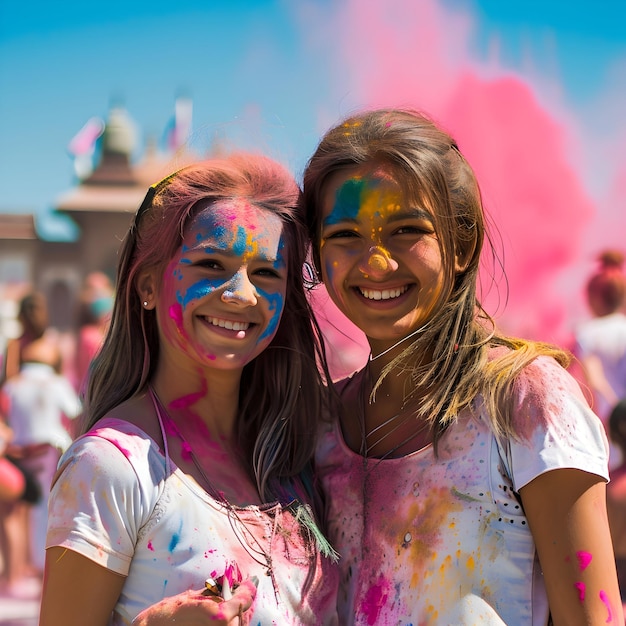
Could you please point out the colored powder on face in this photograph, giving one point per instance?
(607, 603)
(240, 245)
(378, 263)
(198, 290)
(276, 302)
(347, 201)
(176, 314)
(581, 591)
(584, 558)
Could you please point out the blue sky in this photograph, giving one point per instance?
(258, 71)
(535, 93)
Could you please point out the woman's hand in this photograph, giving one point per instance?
(197, 608)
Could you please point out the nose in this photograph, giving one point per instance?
(240, 290)
(377, 262)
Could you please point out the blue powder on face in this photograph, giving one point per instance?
(276, 301)
(199, 290)
(347, 201)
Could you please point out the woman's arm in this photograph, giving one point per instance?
(77, 591)
(566, 512)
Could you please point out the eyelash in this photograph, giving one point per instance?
(267, 272)
(216, 265)
(210, 264)
(341, 233)
(403, 230)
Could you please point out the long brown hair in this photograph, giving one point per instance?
(427, 163)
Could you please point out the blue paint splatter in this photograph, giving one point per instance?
(240, 245)
(276, 301)
(174, 542)
(199, 290)
(347, 202)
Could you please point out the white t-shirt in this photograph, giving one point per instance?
(443, 540)
(38, 399)
(116, 503)
(605, 337)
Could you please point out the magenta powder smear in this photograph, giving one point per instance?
(584, 558)
(374, 600)
(581, 591)
(607, 603)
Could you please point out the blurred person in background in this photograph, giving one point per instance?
(36, 401)
(601, 341)
(12, 487)
(12, 482)
(33, 318)
(96, 304)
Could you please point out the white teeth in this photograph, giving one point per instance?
(385, 294)
(229, 325)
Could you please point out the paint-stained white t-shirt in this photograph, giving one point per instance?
(116, 503)
(443, 540)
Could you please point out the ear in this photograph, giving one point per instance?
(146, 289)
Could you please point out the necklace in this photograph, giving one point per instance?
(401, 418)
(246, 538)
(395, 345)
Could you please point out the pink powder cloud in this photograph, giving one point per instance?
(523, 148)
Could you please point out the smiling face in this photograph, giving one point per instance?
(221, 297)
(380, 256)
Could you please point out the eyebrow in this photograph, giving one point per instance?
(412, 213)
(229, 252)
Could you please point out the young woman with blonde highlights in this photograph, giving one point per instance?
(465, 472)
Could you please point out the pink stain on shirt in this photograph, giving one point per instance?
(374, 600)
(581, 590)
(125, 451)
(150, 546)
(584, 558)
(607, 603)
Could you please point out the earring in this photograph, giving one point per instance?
(145, 303)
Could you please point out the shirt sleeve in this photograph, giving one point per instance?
(69, 401)
(99, 500)
(557, 428)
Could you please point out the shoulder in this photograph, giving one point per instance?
(116, 450)
(544, 376)
(553, 423)
(545, 394)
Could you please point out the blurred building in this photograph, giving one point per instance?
(101, 205)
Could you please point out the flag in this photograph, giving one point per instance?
(83, 145)
(178, 129)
